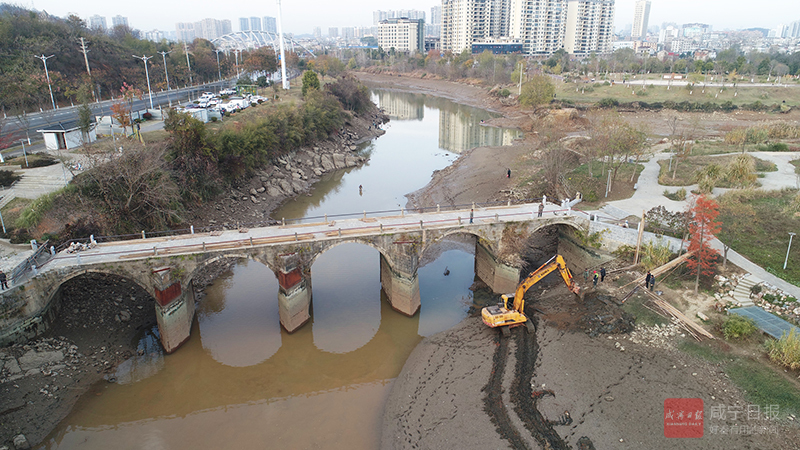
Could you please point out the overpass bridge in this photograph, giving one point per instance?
(165, 266)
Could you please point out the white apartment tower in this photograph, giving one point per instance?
(270, 24)
(403, 35)
(119, 20)
(641, 16)
(589, 27)
(244, 24)
(97, 22)
(539, 24)
(543, 26)
(463, 21)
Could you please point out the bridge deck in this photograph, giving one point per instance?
(231, 239)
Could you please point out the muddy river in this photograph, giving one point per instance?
(241, 381)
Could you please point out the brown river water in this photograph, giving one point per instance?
(241, 381)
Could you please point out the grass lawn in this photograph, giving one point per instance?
(689, 166)
(13, 209)
(756, 225)
(624, 93)
(593, 188)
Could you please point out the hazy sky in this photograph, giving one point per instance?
(301, 16)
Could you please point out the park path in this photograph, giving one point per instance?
(650, 193)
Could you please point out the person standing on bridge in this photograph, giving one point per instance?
(471, 214)
(541, 208)
(3, 282)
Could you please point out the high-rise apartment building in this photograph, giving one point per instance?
(119, 20)
(641, 16)
(270, 24)
(379, 16)
(463, 21)
(244, 24)
(436, 15)
(184, 31)
(542, 26)
(255, 24)
(333, 32)
(97, 22)
(212, 28)
(403, 35)
(317, 32)
(589, 27)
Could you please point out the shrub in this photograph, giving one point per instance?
(677, 196)
(786, 350)
(147, 116)
(504, 93)
(608, 103)
(738, 327)
(774, 147)
(755, 289)
(7, 178)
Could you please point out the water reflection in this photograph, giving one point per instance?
(346, 289)
(402, 160)
(238, 319)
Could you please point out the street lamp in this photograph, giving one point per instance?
(791, 235)
(24, 152)
(166, 74)
(147, 73)
(236, 53)
(219, 71)
(44, 60)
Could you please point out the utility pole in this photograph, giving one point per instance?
(188, 64)
(284, 81)
(44, 60)
(520, 79)
(85, 52)
(236, 53)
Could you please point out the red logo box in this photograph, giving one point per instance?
(683, 418)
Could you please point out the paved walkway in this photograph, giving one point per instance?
(650, 193)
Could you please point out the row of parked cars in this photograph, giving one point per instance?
(218, 104)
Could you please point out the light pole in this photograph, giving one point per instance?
(236, 53)
(24, 152)
(166, 74)
(44, 60)
(147, 73)
(791, 235)
(520, 79)
(219, 71)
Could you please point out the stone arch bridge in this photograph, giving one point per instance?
(166, 266)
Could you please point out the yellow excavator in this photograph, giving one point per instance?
(506, 318)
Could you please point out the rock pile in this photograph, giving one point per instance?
(658, 336)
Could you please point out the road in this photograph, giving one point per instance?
(26, 126)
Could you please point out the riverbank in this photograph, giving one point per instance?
(567, 386)
(101, 319)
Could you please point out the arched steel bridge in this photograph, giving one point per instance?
(249, 40)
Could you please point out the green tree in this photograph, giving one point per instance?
(538, 91)
(85, 112)
(310, 81)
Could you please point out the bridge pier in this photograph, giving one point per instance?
(401, 284)
(500, 278)
(294, 295)
(174, 312)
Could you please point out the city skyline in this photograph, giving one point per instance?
(301, 17)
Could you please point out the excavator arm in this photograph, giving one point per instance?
(555, 263)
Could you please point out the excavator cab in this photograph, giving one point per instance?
(505, 316)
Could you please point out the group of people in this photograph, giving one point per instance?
(596, 275)
(649, 281)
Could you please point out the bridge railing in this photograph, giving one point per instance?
(39, 258)
(290, 236)
(272, 222)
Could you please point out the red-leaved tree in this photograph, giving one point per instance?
(702, 229)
